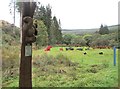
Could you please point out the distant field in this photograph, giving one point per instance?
(57, 68)
(91, 57)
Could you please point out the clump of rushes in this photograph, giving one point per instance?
(46, 59)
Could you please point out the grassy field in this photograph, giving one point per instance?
(57, 68)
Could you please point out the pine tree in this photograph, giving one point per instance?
(58, 34)
(103, 30)
(44, 14)
(53, 33)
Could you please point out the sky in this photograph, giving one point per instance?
(74, 14)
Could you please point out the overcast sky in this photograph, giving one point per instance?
(75, 14)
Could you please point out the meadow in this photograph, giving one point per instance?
(70, 68)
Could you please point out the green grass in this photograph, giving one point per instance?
(71, 69)
(78, 56)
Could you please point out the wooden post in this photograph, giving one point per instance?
(25, 78)
(114, 49)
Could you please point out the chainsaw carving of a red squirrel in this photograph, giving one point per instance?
(29, 29)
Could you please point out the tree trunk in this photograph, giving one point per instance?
(25, 78)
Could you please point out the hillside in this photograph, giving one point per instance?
(82, 31)
(10, 33)
(4, 23)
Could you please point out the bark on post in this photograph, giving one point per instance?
(25, 78)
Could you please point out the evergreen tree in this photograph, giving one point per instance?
(48, 21)
(106, 30)
(44, 14)
(58, 33)
(103, 30)
(53, 33)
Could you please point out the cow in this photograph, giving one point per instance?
(80, 49)
(70, 48)
(48, 48)
(61, 49)
(101, 53)
(85, 53)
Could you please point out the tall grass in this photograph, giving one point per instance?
(10, 62)
(45, 59)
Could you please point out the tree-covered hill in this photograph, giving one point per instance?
(84, 31)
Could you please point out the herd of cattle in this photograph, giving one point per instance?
(79, 49)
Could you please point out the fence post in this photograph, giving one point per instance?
(114, 49)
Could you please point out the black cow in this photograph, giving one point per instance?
(101, 53)
(81, 49)
(85, 53)
(70, 48)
